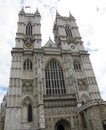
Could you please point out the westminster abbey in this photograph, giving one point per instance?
(51, 87)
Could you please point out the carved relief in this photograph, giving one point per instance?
(48, 122)
(60, 103)
(27, 87)
(82, 84)
(39, 75)
(42, 122)
(96, 121)
(84, 98)
(39, 59)
(60, 111)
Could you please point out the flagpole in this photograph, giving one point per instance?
(28, 7)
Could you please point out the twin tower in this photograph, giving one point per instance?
(51, 87)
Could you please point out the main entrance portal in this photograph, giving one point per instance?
(62, 125)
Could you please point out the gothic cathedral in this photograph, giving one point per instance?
(51, 87)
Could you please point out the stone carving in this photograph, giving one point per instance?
(94, 115)
(60, 111)
(39, 59)
(84, 98)
(65, 103)
(48, 122)
(82, 85)
(42, 122)
(27, 87)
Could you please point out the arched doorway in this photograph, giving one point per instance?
(62, 125)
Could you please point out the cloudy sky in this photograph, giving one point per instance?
(90, 16)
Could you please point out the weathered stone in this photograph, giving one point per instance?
(51, 87)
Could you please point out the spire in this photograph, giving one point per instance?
(70, 15)
(57, 14)
(22, 12)
(49, 38)
(37, 12)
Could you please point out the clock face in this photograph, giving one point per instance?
(28, 45)
(72, 47)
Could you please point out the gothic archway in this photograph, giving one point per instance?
(27, 110)
(62, 125)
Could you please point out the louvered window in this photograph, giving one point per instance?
(29, 29)
(27, 65)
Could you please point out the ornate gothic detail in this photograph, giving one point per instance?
(84, 98)
(95, 118)
(48, 122)
(60, 103)
(82, 84)
(60, 111)
(91, 103)
(27, 87)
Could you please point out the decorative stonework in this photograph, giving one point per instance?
(60, 103)
(48, 122)
(60, 111)
(27, 87)
(82, 84)
(91, 80)
(95, 118)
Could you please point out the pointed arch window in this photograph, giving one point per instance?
(68, 31)
(77, 65)
(55, 83)
(29, 112)
(27, 64)
(29, 29)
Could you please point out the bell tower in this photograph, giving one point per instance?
(29, 30)
(66, 33)
(24, 108)
(67, 37)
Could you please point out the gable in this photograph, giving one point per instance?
(50, 44)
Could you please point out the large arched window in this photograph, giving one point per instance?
(29, 29)
(27, 64)
(54, 78)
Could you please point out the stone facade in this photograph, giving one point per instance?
(51, 87)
